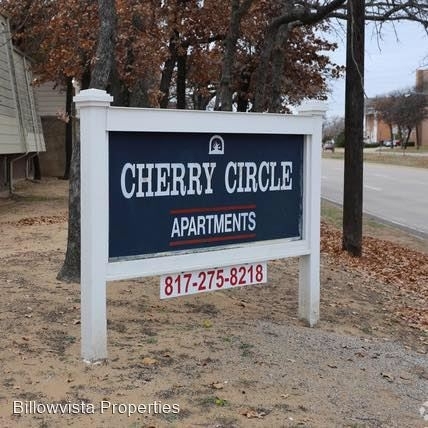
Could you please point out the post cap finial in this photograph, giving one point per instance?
(313, 107)
(92, 97)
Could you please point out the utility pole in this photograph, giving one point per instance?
(354, 120)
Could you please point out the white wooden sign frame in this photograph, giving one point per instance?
(97, 118)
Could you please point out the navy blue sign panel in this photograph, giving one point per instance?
(186, 191)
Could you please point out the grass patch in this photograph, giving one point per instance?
(212, 400)
(228, 339)
(335, 155)
(413, 149)
(246, 349)
(389, 156)
(397, 157)
(39, 198)
(333, 214)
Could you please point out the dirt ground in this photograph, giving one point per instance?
(235, 358)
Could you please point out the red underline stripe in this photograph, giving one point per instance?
(212, 209)
(212, 239)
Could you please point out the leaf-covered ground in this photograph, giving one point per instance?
(402, 270)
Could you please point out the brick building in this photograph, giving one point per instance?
(376, 131)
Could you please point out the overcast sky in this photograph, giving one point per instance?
(390, 62)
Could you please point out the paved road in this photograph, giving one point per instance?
(393, 193)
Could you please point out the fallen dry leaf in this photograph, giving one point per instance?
(31, 221)
(404, 270)
(217, 385)
(253, 414)
(388, 377)
(149, 361)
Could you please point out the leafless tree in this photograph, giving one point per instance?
(103, 67)
(411, 111)
(404, 109)
(332, 127)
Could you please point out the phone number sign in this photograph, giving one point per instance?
(186, 283)
(173, 192)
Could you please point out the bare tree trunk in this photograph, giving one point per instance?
(225, 93)
(104, 64)
(68, 128)
(167, 72)
(104, 61)
(181, 80)
(70, 270)
(391, 133)
(118, 90)
(139, 96)
(418, 137)
(36, 166)
(267, 97)
(354, 118)
(242, 99)
(226, 88)
(86, 78)
(406, 140)
(272, 57)
(261, 75)
(278, 62)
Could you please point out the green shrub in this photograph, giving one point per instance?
(340, 140)
(410, 144)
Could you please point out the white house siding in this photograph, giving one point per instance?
(21, 136)
(31, 124)
(10, 138)
(20, 126)
(50, 99)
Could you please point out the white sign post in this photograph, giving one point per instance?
(309, 269)
(98, 119)
(93, 105)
